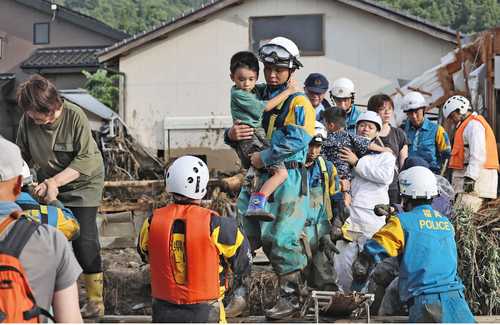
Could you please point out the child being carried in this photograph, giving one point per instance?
(247, 108)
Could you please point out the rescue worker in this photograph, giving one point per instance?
(53, 213)
(324, 183)
(424, 240)
(373, 173)
(474, 158)
(55, 136)
(342, 95)
(427, 139)
(290, 127)
(315, 87)
(190, 249)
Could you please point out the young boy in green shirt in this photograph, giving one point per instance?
(247, 108)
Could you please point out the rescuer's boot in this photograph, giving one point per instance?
(95, 304)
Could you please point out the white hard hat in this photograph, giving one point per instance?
(370, 116)
(280, 51)
(413, 100)
(320, 133)
(456, 102)
(418, 183)
(188, 176)
(342, 88)
(26, 173)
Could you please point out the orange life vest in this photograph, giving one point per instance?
(457, 154)
(201, 282)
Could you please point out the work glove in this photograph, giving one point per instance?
(336, 234)
(361, 267)
(469, 184)
(327, 246)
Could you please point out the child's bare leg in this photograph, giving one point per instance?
(279, 176)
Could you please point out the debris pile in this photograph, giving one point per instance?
(478, 242)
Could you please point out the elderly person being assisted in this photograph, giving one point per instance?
(373, 173)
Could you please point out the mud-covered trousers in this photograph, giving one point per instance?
(320, 273)
(280, 239)
(86, 247)
(447, 307)
(166, 312)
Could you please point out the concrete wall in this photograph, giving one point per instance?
(186, 74)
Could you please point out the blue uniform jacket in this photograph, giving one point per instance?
(429, 142)
(425, 241)
(352, 118)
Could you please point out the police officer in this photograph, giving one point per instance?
(424, 240)
(474, 158)
(324, 183)
(316, 86)
(290, 128)
(427, 139)
(342, 95)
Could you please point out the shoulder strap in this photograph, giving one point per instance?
(18, 236)
(276, 117)
(326, 192)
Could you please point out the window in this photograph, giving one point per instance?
(41, 33)
(1, 47)
(305, 30)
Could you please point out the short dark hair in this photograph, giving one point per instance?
(377, 101)
(244, 59)
(417, 202)
(335, 115)
(38, 94)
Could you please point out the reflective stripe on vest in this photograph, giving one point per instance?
(201, 281)
(458, 152)
(326, 192)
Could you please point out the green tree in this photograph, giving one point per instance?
(103, 87)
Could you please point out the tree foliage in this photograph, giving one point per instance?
(135, 16)
(132, 16)
(467, 16)
(103, 87)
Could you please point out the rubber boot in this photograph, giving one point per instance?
(238, 304)
(287, 305)
(256, 208)
(95, 304)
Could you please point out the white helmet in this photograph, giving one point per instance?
(280, 51)
(320, 133)
(370, 116)
(26, 173)
(342, 88)
(188, 176)
(413, 100)
(456, 102)
(418, 183)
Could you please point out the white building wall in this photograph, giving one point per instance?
(187, 73)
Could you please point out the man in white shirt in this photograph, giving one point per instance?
(474, 157)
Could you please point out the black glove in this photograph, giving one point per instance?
(336, 233)
(361, 267)
(469, 184)
(328, 247)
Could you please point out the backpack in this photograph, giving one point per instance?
(17, 303)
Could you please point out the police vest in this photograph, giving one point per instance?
(184, 267)
(423, 143)
(457, 154)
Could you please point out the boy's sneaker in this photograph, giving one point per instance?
(256, 208)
